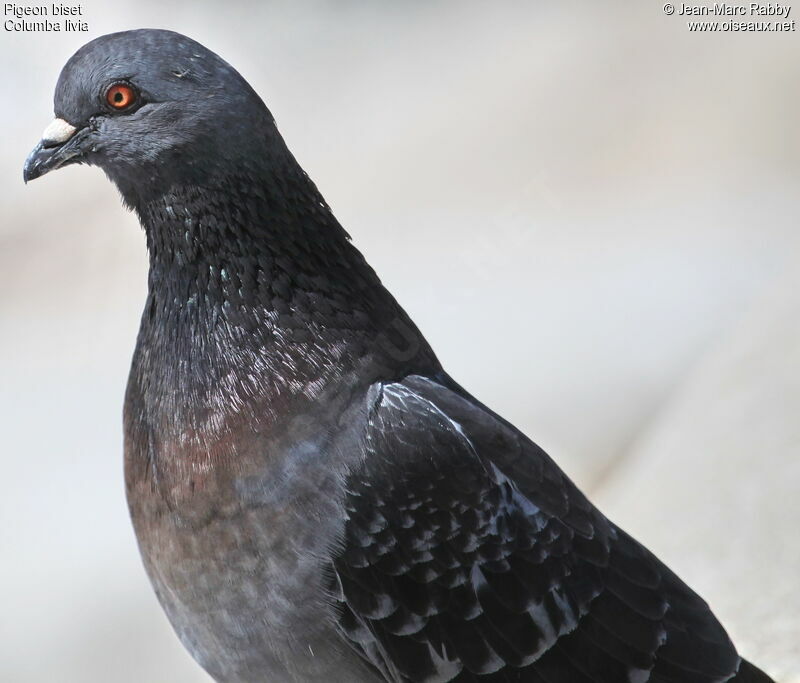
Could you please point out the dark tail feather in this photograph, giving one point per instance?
(750, 674)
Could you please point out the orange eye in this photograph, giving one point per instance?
(120, 96)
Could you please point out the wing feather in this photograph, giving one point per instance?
(469, 556)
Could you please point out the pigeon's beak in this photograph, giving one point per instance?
(60, 143)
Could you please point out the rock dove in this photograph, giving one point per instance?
(314, 497)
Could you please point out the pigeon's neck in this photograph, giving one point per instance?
(256, 295)
(249, 248)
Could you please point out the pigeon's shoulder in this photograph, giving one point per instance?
(469, 555)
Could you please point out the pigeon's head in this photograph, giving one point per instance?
(151, 108)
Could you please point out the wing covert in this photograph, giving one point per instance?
(469, 556)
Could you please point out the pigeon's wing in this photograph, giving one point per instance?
(469, 556)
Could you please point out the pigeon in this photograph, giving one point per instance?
(314, 497)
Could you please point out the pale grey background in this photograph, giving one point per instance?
(590, 211)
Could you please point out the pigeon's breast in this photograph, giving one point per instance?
(235, 533)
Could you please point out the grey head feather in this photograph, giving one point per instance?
(194, 115)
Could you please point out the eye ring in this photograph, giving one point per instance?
(121, 96)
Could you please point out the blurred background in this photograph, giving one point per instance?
(589, 210)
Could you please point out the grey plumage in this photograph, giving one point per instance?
(314, 497)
